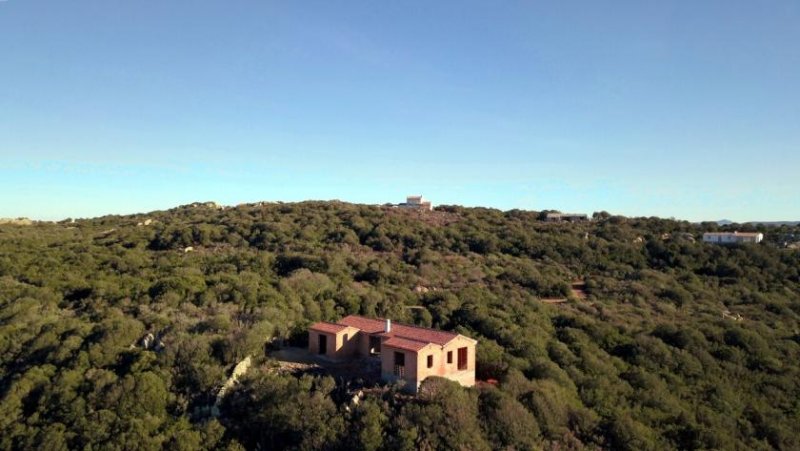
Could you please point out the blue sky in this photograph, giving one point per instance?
(682, 109)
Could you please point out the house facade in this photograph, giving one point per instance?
(732, 237)
(407, 353)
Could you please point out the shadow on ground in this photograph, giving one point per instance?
(358, 372)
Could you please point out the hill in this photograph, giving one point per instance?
(673, 344)
(727, 222)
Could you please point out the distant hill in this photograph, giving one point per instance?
(120, 330)
(724, 222)
(775, 223)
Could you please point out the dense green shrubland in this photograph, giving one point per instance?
(647, 361)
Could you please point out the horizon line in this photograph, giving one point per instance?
(42, 219)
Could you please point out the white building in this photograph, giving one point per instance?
(416, 203)
(732, 237)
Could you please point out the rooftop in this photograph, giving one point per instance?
(330, 328)
(405, 332)
(403, 343)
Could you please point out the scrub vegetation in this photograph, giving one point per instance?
(118, 332)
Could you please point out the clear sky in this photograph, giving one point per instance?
(665, 108)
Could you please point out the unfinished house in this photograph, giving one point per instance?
(407, 353)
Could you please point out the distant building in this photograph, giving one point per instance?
(566, 217)
(732, 237)
(407, 353)
(416, 203)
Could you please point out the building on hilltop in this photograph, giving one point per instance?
(407, 353)
(732, 237)
(566, 217)
(416, 203)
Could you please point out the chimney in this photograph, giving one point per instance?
(388, 327)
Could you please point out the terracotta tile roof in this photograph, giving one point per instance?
(368, 325)
(403, 343)
(326, 327)
(377, 326)
(421, 334)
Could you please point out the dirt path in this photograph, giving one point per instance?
(579, 289)
(554, 301)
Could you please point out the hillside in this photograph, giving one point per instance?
(673, 344)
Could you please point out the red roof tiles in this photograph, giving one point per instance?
(368, 325)
(402, 343)
(420, 334)
(378, 325)
(326, 327)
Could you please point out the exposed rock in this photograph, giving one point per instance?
(105, 233)
(150, 342)
(357, 398)
(147, 341)
(732, 316)
(238, 371)
(16, 221)
(209, 205)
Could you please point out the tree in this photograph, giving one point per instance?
(506, 422)
(369, 421)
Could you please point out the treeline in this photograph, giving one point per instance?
(678, 344)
